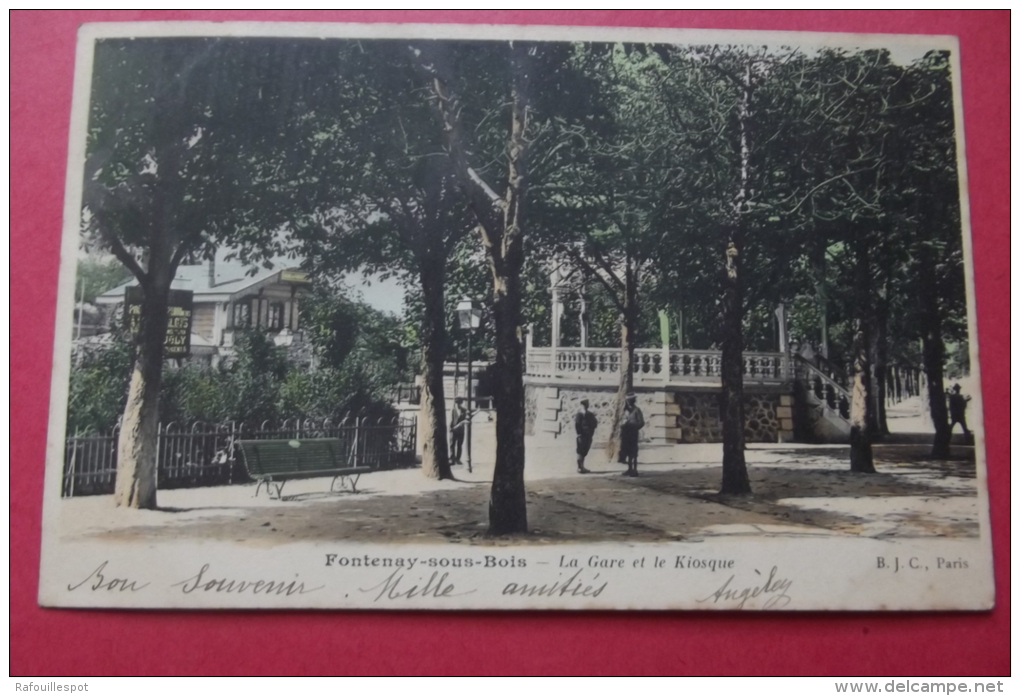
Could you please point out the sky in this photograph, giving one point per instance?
(384, 295)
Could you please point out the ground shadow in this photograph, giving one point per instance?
(676, 504)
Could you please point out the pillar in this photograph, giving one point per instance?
(664, 336)
(583, 306)
(781, 316)
(823, 347)
(557, 314)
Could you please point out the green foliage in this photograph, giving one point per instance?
(98, 387)
(97, 276)
(256, 371)
(957, 360)
(842, 146)
(348, 332)
(333, 393)
(183, 143)
(634, 156)
(259, 383)
(197, 392)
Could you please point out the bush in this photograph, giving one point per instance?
(332, 393)
(196, 392)
(98, 386)
(258, 384)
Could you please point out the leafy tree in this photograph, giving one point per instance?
(378, 196)
(892, 226)
(505, 113)
(611, 213)
(176, 162)
(743, 108)
(856, 124)
(360, 354)
(96, 276)
(931, 210)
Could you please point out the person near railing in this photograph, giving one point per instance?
(630, 428)
(458, 425)
(584, 424)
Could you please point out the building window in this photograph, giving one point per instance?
(276, 316)
(242, 315)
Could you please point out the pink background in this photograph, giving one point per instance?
(57, 642)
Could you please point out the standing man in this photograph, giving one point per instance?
(630, 427)
(458, 424)
(584, 424)
(958, 409)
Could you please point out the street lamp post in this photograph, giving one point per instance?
(470, 317)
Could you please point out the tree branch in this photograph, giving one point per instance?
(484, 202)
(591, 272)
(124, 256)
(184, 248)
(828, 181)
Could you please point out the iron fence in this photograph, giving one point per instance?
(405, 393)
(206, 454)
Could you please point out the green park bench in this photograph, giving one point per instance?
(274, 462)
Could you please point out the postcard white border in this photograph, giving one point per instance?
(851, 584)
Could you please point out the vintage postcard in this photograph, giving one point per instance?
(502, 317)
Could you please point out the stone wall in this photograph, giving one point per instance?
(547, 406)
(766, 417)
(687, 417)
(602, 404)
(530, 408)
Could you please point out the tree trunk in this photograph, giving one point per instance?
(136, 446)
(878, 350)
(507, 506)
(731, 398)
(861, 459)
(508, 511)
(735, 480)
(933, 359)
(933, 355)
(628, 340)
(435, 455)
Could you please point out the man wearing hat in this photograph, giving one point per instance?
(584, 424)
(630, 426)
(958, 410)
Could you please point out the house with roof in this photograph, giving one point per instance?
(230, 298)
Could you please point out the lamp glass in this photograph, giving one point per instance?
(468, 315)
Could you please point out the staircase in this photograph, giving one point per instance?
(550, 404)
(824, 403)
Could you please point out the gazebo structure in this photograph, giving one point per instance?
(786, 396)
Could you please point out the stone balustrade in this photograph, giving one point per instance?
(652, 367)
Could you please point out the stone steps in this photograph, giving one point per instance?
(549, 406)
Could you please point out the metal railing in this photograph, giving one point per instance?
(405, 393)
(206, 454)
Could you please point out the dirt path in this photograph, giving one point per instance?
(797, 492)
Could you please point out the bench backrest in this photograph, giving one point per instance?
(264, 457)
